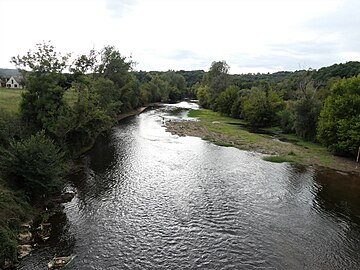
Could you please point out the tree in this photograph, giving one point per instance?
(203, 95)
(307, 110)
(260, 109)
(176, 85)
(287, 117)
(42, 103)
(226, 99)
(118, 69)
(339, 123)
(238, 104)
(217, 80)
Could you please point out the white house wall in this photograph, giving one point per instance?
(12, 83)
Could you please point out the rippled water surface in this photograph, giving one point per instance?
(150, 200)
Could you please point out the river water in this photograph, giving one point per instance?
(147, 199)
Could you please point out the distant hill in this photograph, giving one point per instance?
(7, 72)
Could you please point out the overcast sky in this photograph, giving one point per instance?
(250, 35)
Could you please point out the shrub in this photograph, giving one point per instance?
(34, 164)
(8, 246)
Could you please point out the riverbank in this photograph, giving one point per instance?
(15, 210)
(226, 131)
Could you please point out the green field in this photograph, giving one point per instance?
(10, 99)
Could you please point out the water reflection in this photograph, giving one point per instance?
(150, 200)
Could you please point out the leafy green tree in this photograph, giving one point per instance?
(217, 80)
(150, 92)
(118, 69)
(307, 111)
(237, 106)
(163, 89)
(204, 96)
(287, 117)
(176, 85)
(260, 109)
(339, 123)
(217, 77)
(35, 164)
(42, 103)
(226, 99)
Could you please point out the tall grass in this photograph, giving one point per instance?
(10, 99)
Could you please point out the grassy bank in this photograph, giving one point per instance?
(278, 147)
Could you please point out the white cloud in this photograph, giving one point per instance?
(251, 35)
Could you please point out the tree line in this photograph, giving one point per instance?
(322, 106)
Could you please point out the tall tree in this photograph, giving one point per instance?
(339, 124)
(217, 77)
(307, 110)
(42, 103)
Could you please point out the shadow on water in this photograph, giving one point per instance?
(339, 194)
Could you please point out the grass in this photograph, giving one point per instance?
(10, 99)
(215, 122)
(227, 131)
(278, 159)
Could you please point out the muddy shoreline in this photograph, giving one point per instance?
(267, 146)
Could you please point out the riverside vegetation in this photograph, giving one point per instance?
(65, 106)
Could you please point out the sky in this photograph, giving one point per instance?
(250, 35)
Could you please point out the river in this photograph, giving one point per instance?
(147, 199)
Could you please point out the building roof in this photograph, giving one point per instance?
(18, 79)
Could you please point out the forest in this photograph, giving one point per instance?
(38, 143)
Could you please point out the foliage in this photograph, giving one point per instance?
(339, 124)
(42, 102)
(237, 106)
(35, 163)
(176, 85)
(226, 99)
(43, 60)
(346, 70)
(307, 110)
(261, 109)
(277, 159)
(8, 246)
(287, 118)
(217, 77)
(117, 68)
(203, 95)
(10, 128)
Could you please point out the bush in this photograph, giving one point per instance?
(34, 164)
(8, 246)
(287, 118)
(307, 111)
(10, 127)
